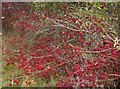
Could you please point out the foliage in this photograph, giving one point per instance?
(74, 48)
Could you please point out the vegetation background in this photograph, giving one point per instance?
(25, 14)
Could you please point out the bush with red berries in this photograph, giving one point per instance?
(77, 48)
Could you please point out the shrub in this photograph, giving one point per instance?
(76, 48)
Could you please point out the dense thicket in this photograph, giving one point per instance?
(61, 44)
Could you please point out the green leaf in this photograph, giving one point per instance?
(118, 48)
